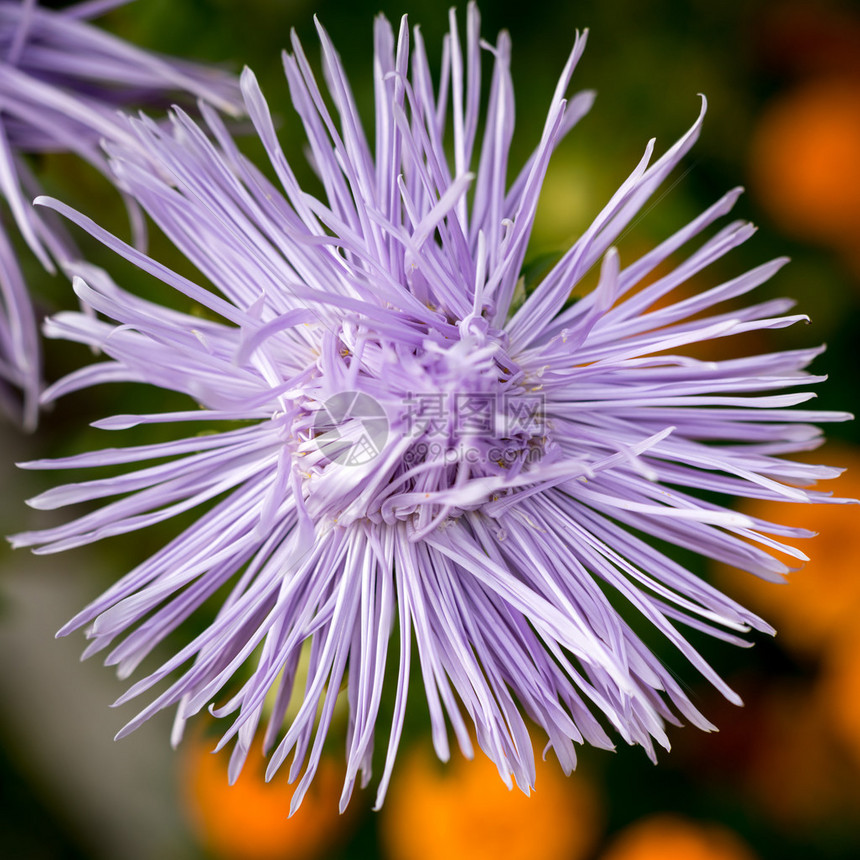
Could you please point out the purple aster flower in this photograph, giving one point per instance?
(62, 82)
(410, 466)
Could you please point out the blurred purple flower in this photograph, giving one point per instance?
(421, 447)
(62, 83)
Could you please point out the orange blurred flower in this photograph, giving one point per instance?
(797, 775)
(671, 837)
(824, 596)
(840, 692)
(463, 811)
(804, 162)
(250, 819)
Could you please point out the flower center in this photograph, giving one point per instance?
(424, 433)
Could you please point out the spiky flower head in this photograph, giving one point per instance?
(424, 455)
(62, 82)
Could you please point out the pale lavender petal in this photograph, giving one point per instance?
(62, 83)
